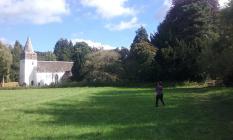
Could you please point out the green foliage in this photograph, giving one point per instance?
(116, 114)
(140, 59)
(189, 21)
(46, 56)
(63, 50)
(16, 54)
(5, 62)
(124, 52)
(178, 63)
(189, 27)
(81, 50)
(226, 65)
(212, 3)
(217, 61)
(227, 42)
(103, 66)
(226, 26)
(141, 36)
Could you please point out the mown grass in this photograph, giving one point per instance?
(116, 113)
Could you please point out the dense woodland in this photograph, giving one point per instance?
(193, 43)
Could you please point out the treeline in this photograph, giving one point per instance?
(119, 65)
(193, 43)
(9, 61)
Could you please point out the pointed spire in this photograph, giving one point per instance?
(28, 46)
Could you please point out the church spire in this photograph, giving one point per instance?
(28, 46)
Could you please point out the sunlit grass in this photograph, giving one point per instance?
(116, 113)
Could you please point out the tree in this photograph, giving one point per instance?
(140, 60)
(46, 56)
(189, 20)
(102, 66)
(226, 26)
(81, 50)
(141, 36)
(124, 52)
(5, 62)
(213, 4)
(188, 28)
(63, 50)
(16, 53)
(217, 61)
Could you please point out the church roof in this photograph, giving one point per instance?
(53, 66)
(28, 46)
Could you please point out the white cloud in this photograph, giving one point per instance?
(109, 8)
(94, 44)
(35, 11)
(223, 3)
(123, 25)
(3, 40)
(6, 41)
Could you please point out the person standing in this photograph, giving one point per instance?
(159, 93)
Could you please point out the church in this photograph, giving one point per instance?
(41, 73)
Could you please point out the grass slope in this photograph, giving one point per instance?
(116, 113)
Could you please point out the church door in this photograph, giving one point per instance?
(56, 79)
(32, 83)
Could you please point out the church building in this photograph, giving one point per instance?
(41, 73)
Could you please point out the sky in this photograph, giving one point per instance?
(100, 23)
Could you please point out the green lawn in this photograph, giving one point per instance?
(116, 113)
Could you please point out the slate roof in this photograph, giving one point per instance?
(54, 66)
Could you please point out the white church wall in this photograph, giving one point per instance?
(28, 70)
(45, 79)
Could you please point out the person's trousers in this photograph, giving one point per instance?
(159, 97)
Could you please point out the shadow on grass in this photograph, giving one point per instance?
(203, 90)
(130, 114)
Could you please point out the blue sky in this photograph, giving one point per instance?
(107, 23)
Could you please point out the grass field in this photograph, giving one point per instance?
(116, 113)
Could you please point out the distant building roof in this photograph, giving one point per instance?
(53, 66)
